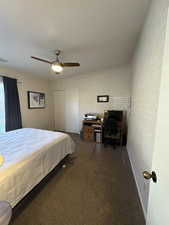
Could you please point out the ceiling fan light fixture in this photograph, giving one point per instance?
(56, 67)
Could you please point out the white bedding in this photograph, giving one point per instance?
(30, 154)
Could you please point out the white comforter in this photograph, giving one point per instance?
(30, 154)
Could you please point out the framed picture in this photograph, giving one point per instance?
(103, 98)
(36, 100)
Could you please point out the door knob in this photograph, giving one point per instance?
(149, 176)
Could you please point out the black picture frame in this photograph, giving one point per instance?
(36, 100)
(102, 98)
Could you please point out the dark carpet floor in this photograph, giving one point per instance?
(95, 188)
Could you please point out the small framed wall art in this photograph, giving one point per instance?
(36, 100)
(103, 98)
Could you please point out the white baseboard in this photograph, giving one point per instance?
(138, 188)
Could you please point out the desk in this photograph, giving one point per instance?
(92, 130)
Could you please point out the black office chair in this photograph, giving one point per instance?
(113, 121)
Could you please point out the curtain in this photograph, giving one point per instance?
(2, 107)
(13, 119)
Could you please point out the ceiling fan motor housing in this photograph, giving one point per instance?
(58, 52)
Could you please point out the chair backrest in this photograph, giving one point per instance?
(112, 121)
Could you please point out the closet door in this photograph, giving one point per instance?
(72, 110)
(59, 110)
(66, 105)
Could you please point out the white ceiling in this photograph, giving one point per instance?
(99, 34)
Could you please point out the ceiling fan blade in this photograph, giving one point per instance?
(42, 60)
(69, 64)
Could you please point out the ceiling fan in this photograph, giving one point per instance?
(56, 65)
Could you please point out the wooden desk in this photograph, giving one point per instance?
(92, 129)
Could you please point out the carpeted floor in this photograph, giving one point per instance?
(95, 188)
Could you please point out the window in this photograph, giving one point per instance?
(2, 107)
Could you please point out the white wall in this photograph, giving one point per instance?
(145, 94)
(115, 83)
(35, 118)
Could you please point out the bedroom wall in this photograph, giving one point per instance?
(115, 83)
(34, 118)
(145, 94)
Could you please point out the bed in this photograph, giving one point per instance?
(30, 154)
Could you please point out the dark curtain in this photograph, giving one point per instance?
(12, 105)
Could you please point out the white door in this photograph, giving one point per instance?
(158, 207)
(59, 110)
(66, 105)
(72, 110)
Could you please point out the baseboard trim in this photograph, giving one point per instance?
(138, 189)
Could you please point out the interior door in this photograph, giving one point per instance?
(66, 104)
(59, 110)
(159, 192)
(72, 110)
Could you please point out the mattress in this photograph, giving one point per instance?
(30, 154)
